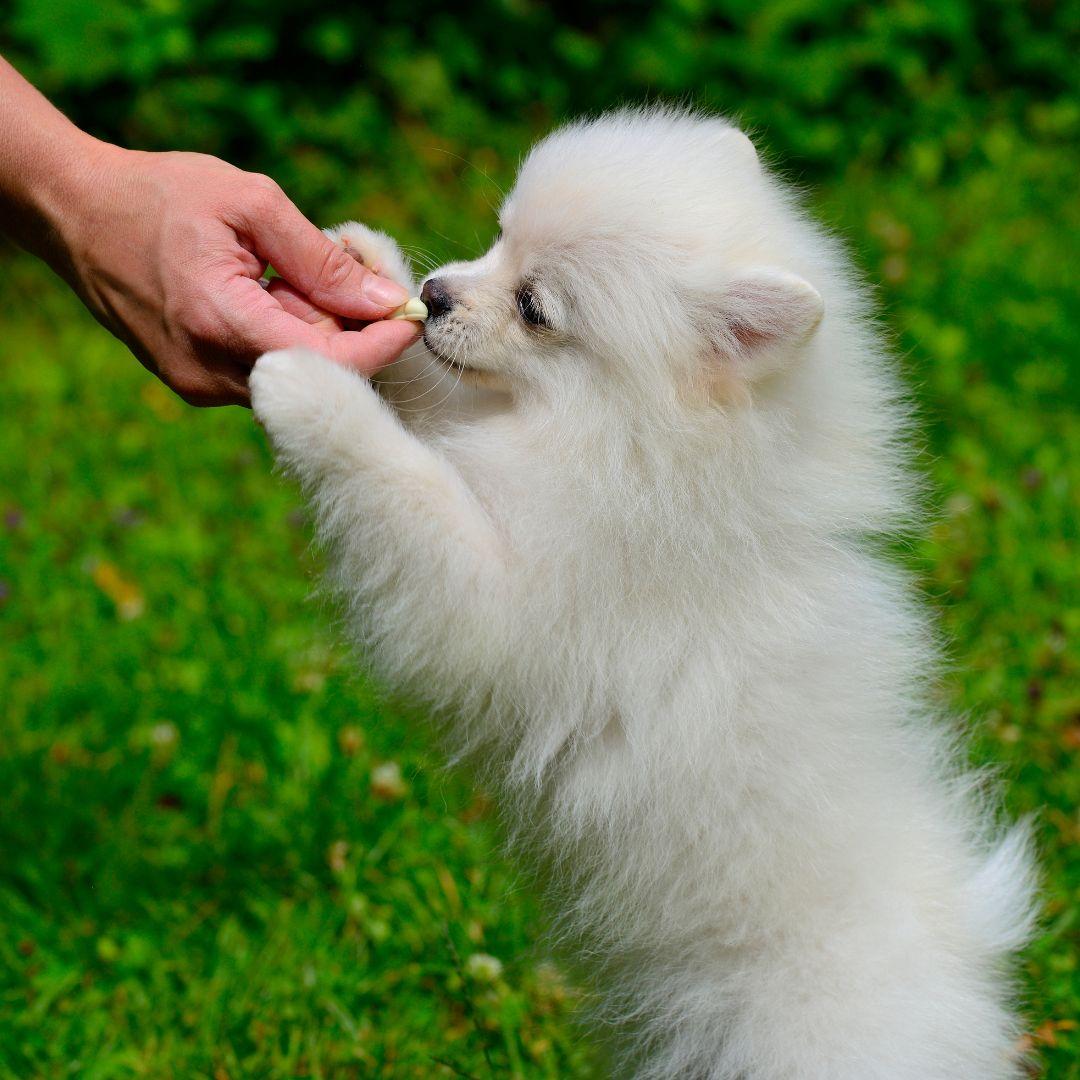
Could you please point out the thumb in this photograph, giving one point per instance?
(315, 266)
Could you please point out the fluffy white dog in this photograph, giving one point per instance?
(615, 523)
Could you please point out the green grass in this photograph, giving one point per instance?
(198, 874)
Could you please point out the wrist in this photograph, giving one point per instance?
(66, 194)
(43, 165)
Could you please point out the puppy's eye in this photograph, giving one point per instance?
(528, 308)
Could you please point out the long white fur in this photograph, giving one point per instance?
(632, 563)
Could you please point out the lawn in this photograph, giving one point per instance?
(223, 854)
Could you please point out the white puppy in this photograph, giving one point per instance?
(614, 523)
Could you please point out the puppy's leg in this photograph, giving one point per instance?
(377, 251)
(411, 548)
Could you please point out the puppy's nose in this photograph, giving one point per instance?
(437, 297)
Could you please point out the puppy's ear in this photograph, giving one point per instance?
(741, 147)
(759, 318)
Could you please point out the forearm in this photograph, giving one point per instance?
(45, 161)
(410, 544)
(167, 251)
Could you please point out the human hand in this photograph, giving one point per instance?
(167, 250)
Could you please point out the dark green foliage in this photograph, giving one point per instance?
(307, 90)
(201, 872)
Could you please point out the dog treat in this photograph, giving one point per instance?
(414, 309)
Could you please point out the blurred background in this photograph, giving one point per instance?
(222, 853)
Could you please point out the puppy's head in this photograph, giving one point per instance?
(640, 253)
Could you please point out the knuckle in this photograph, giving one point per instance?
(264, 182)
(263, 191)
(335, 269)
(201, 323)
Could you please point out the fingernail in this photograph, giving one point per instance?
(383, 292)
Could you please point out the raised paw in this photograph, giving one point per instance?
(323, 420)
(377, 251)
(295, 392)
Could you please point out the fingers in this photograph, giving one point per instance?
(280, 317)
(312, 263)
(365, 351)
(300, 307)
(372, 348)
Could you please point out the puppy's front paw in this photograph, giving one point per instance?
(377, 251)
(323, 420)
(296, 390)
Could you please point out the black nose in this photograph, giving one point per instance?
(437, 297)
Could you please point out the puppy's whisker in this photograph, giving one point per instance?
(444, 372)
(402, 359)
(432, 407)
(451, 240)
(471, 165)
(430, 364)
(421, 258)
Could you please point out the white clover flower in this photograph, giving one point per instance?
(386, 781)
(164, 734)
(483, 967)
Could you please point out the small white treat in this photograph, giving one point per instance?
(414, 309)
